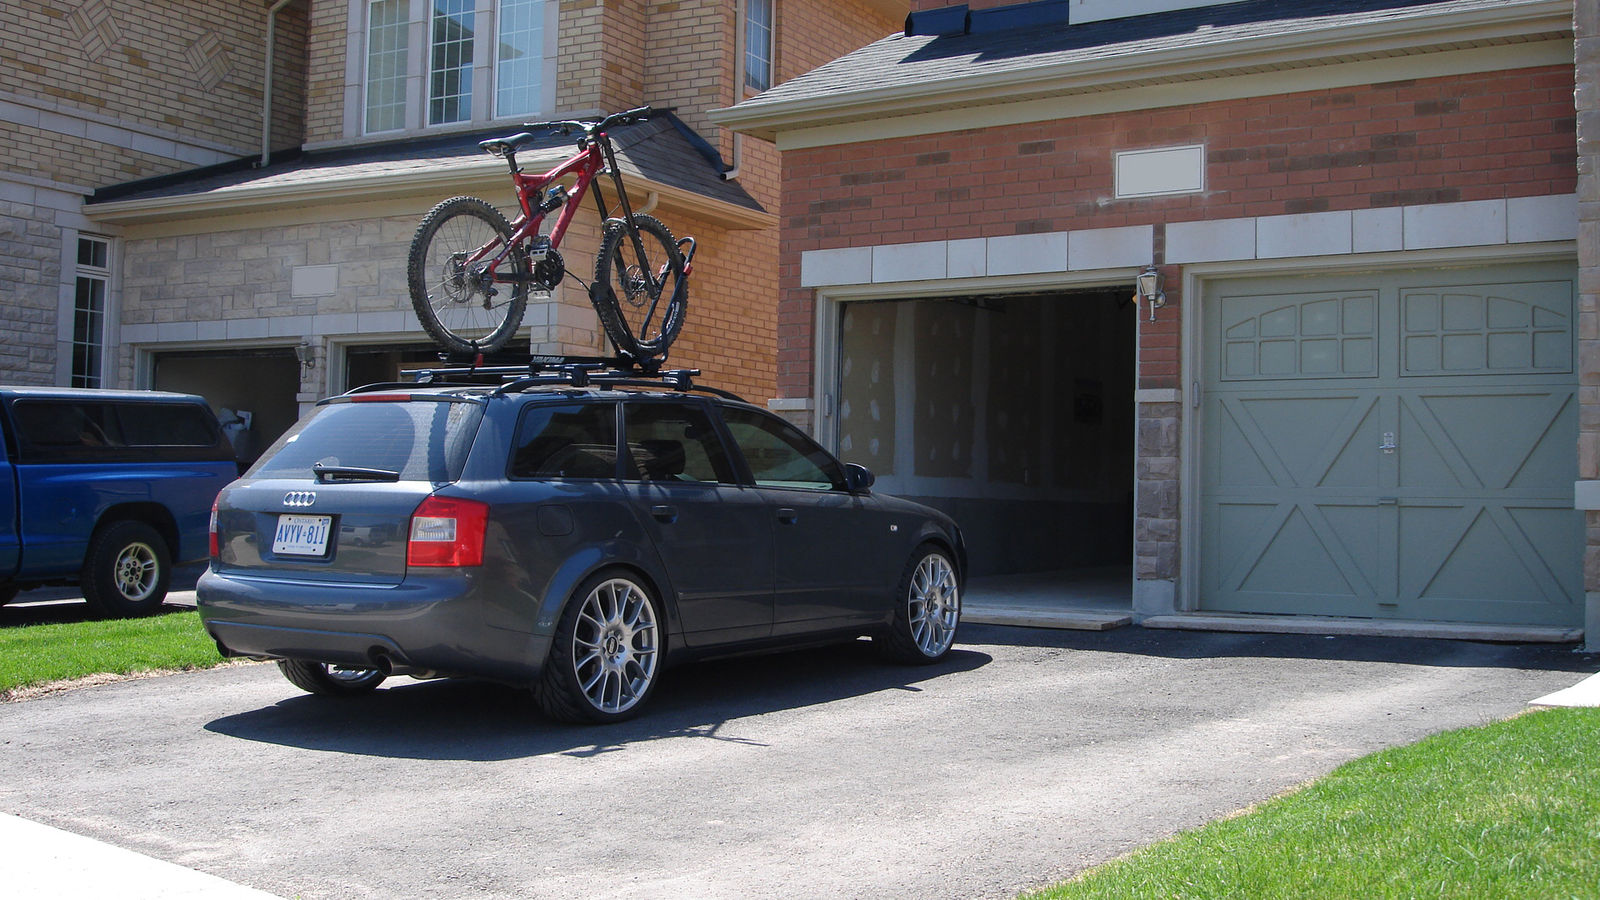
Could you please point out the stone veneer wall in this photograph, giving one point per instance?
(233, 286)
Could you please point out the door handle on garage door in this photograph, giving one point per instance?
(662, 513)
(788, 516)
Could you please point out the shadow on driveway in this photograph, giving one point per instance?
(462, 719)
(1176, 644)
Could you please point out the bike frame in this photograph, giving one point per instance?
(594, 156)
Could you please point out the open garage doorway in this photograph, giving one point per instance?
(382, 363)
(252, 391)
(1015, 415)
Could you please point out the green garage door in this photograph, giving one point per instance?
(1397, 445)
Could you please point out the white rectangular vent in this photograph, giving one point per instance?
(1161, 172)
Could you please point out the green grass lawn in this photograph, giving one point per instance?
(35, 654)
(1508, 810)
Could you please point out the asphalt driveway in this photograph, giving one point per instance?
(1025, 757)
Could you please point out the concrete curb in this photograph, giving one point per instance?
(44, 863)
(1584, 693)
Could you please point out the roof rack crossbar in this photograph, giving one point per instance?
(578, 372)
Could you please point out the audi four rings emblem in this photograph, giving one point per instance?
(299, 498)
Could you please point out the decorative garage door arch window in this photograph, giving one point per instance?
(1395, 445)
(477, 67)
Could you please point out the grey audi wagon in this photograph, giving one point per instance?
(571, 533)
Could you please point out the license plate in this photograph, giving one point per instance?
(302, 535)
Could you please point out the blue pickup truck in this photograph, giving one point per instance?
(107, 490)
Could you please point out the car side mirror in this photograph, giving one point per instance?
(857, 479)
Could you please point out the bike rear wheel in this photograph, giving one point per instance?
(641, 302)
(456, 301)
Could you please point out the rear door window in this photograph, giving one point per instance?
(566, 440)
(674, 442)
(424, 438)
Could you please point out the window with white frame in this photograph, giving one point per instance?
(437, 63)
(519, 58)
(93, 280)
(758, 44)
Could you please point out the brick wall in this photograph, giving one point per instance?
(71, 159)
(289, 76)
(690, 59)
(189, 68)
(326, 38)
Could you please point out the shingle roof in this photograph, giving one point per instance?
(1005, 41)
(661, 150)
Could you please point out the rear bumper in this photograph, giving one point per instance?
(435, 624)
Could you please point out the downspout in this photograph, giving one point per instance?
(738, 154)
(266, 88)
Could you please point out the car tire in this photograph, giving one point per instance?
(127, 570)
(606, 657)
(927, 610)
(330, 681)
(8, 593)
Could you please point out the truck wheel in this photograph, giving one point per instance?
(127, 570)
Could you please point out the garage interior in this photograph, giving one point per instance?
(1015, 415)
(257, 386)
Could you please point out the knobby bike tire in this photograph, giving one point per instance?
(640, 324)
(452, 311)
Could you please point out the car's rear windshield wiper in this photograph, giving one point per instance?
(326, 474)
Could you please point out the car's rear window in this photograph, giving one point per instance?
(423, 439)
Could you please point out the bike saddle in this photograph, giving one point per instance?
(502, 146)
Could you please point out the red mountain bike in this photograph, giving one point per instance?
(470, 270)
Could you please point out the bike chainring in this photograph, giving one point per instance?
(548, 272)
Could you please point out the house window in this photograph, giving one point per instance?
(758, 44)
(502, 48)
(388, 46)
(520, 57)
(450, 70)
(89, 311)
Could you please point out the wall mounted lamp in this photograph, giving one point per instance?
(1149, 282)
(306, 355)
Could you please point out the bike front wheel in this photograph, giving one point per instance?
(457, 300)
(640, 298)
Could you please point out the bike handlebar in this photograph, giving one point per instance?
(639, 114)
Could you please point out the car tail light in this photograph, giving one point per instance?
(447, 531)
(212, 542)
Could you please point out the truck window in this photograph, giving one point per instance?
(66, 430)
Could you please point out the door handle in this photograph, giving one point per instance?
(662, 513)
(788, 516)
